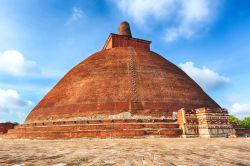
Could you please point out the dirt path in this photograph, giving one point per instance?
(147, 151)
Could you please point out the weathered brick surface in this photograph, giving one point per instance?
(101, 85)
(106, 128)
(4, 127)
(124, 79)
(205, 122)
(115, 40)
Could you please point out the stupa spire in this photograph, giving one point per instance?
(124, 29)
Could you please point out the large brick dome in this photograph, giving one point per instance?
(124, 77)
(125, 90)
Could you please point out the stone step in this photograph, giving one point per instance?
(101, 122)
(92, 127)
(74, 134)
(39, 130)
(77, 127)
(97, 128)
(92, 133)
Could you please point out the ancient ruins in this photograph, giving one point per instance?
(125, 90)
(4, 127)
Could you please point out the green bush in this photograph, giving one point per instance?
(235, 120)
(245, 122)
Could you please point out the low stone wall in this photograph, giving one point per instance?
(4, 127)
(241, 131)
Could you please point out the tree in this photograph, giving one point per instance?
(235, 120)
(246, 122)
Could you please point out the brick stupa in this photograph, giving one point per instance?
(124, 90)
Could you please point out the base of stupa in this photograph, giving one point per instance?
(205, 123)
(97, 128)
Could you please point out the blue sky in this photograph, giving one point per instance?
(41, 40)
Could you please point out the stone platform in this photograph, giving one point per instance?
(96, 128)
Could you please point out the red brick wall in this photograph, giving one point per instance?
(4, 127)
(124, 41)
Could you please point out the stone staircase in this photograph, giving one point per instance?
(97, 128)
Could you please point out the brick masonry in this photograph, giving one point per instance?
(205, 122)
(102, 85)
(96, 128)
(4, 127)
(125, 76)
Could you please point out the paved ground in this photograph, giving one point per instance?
(147, 151)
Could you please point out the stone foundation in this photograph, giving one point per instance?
(205, 122)
(97, 128)
(201, 122)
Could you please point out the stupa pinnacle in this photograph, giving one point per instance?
(124, 29)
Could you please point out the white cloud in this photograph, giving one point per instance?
(188, 17)
(77, 13)
(205, 77)
(14, 63)
(240, 110)
(194, 16)
(140, 10)
(10, 99)
(12, 106)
